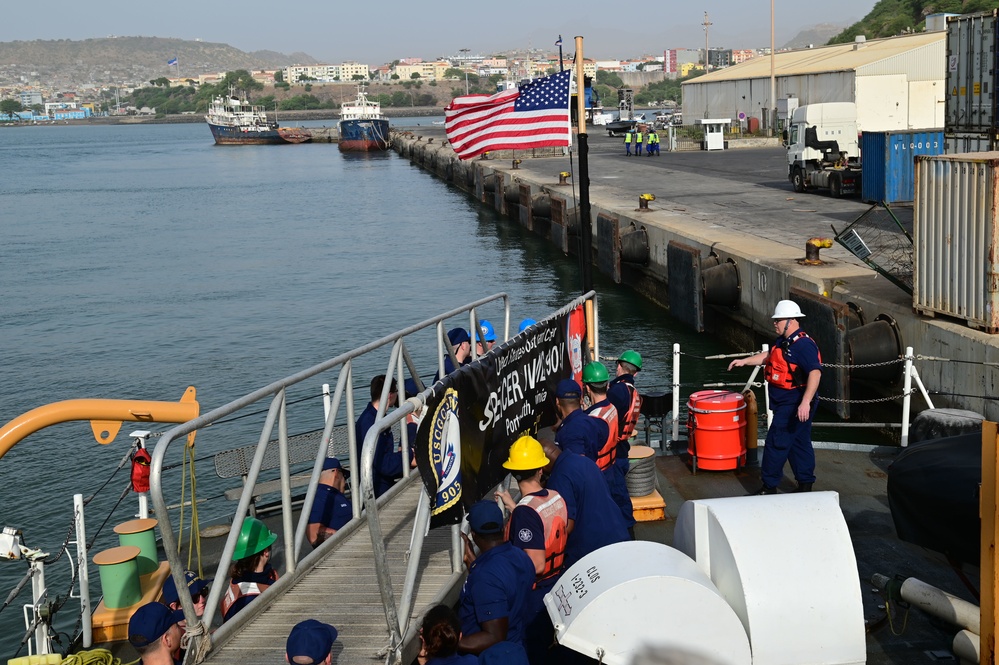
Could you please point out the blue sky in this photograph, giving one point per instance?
(377, 32)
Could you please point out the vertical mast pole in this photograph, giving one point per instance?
(585, 229)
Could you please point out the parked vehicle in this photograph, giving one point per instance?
(822, 149)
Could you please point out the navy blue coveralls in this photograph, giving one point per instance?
(789, 439)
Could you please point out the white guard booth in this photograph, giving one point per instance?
(785, 564)
(714, 132)
(625, 598)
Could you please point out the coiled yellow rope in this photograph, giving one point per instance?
(92, 657)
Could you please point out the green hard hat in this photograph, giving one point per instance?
(595, 372)
(254, 538)
(632, 358)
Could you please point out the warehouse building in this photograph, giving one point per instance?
(897, 83)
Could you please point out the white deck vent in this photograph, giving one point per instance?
(625, 598)
(785, 563)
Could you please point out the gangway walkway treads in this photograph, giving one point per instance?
(343, 590)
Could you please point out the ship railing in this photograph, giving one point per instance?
(402, 631)
(297, 563)
(911, 384)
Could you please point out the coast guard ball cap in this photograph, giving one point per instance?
(458, 336)
(150, 622)
(568, 389)
(332, 463)
(194, 584)
(485, 517)
(310, 642)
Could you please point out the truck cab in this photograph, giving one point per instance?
(822, 149)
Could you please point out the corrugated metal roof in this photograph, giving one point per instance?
(924, 63)
(835, 58)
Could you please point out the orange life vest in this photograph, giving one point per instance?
(608, 451)
(780, 372)
(244, 589)
(630, 421)
(555, 519)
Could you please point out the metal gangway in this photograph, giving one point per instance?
(375, 577)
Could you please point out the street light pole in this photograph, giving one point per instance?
(772, 125)
(464, 65)
(706, 25)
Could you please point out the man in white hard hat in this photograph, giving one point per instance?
(793, 372)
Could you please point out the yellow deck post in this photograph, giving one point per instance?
(988, 514)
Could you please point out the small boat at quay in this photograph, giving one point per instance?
(362, 127)
(235, 121)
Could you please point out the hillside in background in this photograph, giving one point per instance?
(894, 17)
(816, 35)
(127, 59)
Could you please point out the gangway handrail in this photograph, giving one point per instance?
(397, 615)
(200, 642)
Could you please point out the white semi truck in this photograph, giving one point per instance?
(822, 149)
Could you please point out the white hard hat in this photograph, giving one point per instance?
(787, 309)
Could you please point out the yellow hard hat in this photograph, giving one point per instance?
(526, 453)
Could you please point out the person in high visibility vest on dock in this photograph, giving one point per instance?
(793, 374)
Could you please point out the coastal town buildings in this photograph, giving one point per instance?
(510, 67)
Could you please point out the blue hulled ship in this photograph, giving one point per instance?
(362, 127)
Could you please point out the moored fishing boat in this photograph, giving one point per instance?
(362, 127)
(235, 121)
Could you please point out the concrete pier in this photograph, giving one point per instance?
(734, 209)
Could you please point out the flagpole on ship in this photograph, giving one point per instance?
(585, 229)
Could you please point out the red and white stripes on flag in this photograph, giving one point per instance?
(535, 116)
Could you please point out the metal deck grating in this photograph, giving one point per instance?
(342, 590)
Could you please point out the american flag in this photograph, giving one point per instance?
(535, 116)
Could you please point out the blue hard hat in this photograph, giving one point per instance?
(525, 324)
(485, 332)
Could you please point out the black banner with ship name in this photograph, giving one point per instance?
(477, 412)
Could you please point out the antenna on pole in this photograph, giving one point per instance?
(706, 25)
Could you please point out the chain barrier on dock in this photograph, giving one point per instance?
(910, 376)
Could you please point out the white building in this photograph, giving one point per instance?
(897, 83)
(327, 73)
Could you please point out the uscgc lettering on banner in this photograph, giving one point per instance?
(445, 441)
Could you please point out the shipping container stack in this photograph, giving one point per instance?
(970, 121)
(955, 215)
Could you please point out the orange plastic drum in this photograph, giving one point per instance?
(716, 430)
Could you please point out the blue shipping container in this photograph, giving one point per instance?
(888, 162)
